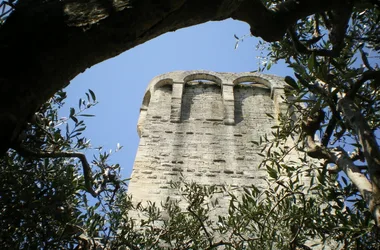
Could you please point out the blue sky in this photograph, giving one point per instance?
(119, 83)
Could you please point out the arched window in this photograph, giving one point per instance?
(146, 100)
(252, 99)
(203, 77)
(202, 98)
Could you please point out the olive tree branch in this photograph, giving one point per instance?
(290, 193)
(220, 243)
(337, 27)
(328, 131)
(367, 139)
(294, 242)
(317, 32)
(342, 160)
(320, 89)
(209, 238)
(26, 152)
(365, 58)
(340, 18)
(331, 99)
(368, 75)
(158, 237)
(302, 49)
(326, 21)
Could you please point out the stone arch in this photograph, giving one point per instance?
(146, 100)
(151, 89)
(257, 79)
(155, 85)
(161, 83)
(179, 81)
(202, 76)
(192, 89)
(245, 87)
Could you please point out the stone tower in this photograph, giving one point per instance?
(203, 124)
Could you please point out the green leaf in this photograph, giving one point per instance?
(74, 119)
(297, 68)
(80, 129)
(92, 94)
(75, 134)
(311, 62)
(322, 71)
(72, 112)
(86, 115)
(272, 172)
(269, 66)
(289, 80)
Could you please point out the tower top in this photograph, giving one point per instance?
(221, 78)
(226, 83)
(204, 125)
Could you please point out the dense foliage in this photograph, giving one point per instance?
(45, 183)
(47, 204)
(335, 57)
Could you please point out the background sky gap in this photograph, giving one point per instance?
(119, 83)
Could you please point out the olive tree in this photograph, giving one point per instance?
(335, 93)
(331, 45)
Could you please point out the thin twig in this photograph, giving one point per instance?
(368, 75)
(26, 152)
(277, 203)
(302, 220)
(302, 49)
(220, 243)
(328, 131)
(365, 58)
(201, 224)
(317, 32)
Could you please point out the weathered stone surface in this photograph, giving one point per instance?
(202, 124)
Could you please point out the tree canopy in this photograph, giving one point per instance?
(51, 42)
(333, 48)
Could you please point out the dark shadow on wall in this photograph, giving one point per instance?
(240, 93)
(162, 102)
(202, 101)
(146, 100)
(243, 91)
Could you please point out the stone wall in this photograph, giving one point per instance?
(203, 125)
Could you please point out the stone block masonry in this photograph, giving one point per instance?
(203, 125)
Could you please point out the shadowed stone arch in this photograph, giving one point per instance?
(143, 111)
(153, 86)
(146, 100)
(203, 76)
(254, 79)
(163, 82)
